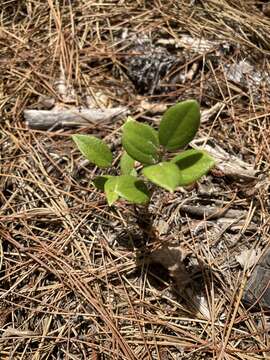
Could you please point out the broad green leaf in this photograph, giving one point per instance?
(110, 188)
(140, 142)
(179, 124)
(128, 187)
(100, 181)
(193, 164)
(94, 149)
(127, 165)
(165, 174)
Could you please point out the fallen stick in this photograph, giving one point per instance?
(69, 118)
(211, 212)
(229, 164)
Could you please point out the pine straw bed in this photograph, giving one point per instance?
(72, 285)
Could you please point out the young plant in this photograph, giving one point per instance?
(155, 151)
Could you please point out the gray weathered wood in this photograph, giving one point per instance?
(68, 118)
(229, 164)
(257, 290)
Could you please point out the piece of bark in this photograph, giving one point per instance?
(206, 114)
(212, 212)
(69, 118)
(230, 165)
(257, 290)
(247, 258)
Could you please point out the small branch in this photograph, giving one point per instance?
(68, 118)
(211, 212)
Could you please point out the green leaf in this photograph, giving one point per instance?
(193, 164)
(128, 187)
(165, 174)
(94, 149)
(100, 181)
(110, 187)
(127, 165)
(179, 124)
(140, 142)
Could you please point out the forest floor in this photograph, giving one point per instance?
(79, 279)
